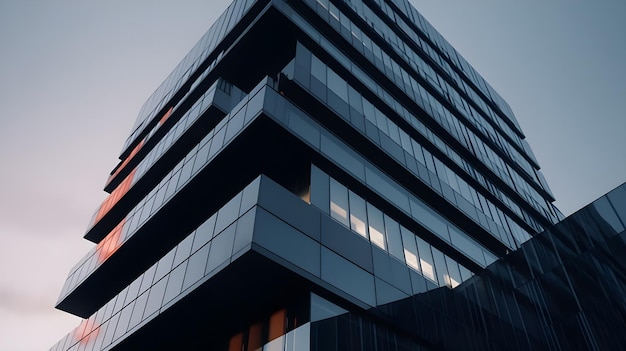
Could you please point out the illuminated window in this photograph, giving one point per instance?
(358, 215)
(368, 221)
(376, 226)
(454, 275)
(269, 334)
(277, 325)
(394, 240)
(339, 202)
(410, 250)
(255, 337)
(236, 343)
(426, 259)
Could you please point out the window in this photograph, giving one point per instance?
(394, 240)
(410, 250)
(371, 223)
(358, 215)
(338, 86)
(426, 259)
(376, 226)
(339, 202)
(318, 69)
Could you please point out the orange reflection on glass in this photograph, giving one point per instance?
(110, 243)
(130, 157)
(138, 147)
(166, 116)
(114, 197)
(85, 332)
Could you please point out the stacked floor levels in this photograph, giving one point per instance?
(306, 159)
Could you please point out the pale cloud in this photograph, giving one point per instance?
(34, 331)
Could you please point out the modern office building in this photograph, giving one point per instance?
(321, 175)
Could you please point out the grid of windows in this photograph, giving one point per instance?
(199, 54)
(200, 254)
(442, 114)
(410, 152)
(368, 221)
(377, 90)
(414, 24)
(181, 174)
(410, 175)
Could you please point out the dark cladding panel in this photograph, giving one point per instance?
(287, 242)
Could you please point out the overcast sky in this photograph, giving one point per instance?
(73, 75)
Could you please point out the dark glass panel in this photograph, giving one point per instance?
(348, 277)
(320, 189)
(394, 239)
(358, 214)
(164, 266)
(175, 283)
(339, 202)
(155, 298)
(221, 248)
(204, 233)
(183, 250)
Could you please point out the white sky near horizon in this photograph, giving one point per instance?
(74, 74)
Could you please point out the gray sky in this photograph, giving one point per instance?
(74, 74)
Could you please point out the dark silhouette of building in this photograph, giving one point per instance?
(333, 175)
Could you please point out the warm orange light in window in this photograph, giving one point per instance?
(125, 185)
(130, 157)
(114, 197)
(166, 116)
(255, 337)
(85, 332)
(138, 147)
(277, 324)
(236, 343)
(110, 243)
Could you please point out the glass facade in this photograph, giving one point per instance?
(333, 175)
(562, 290)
